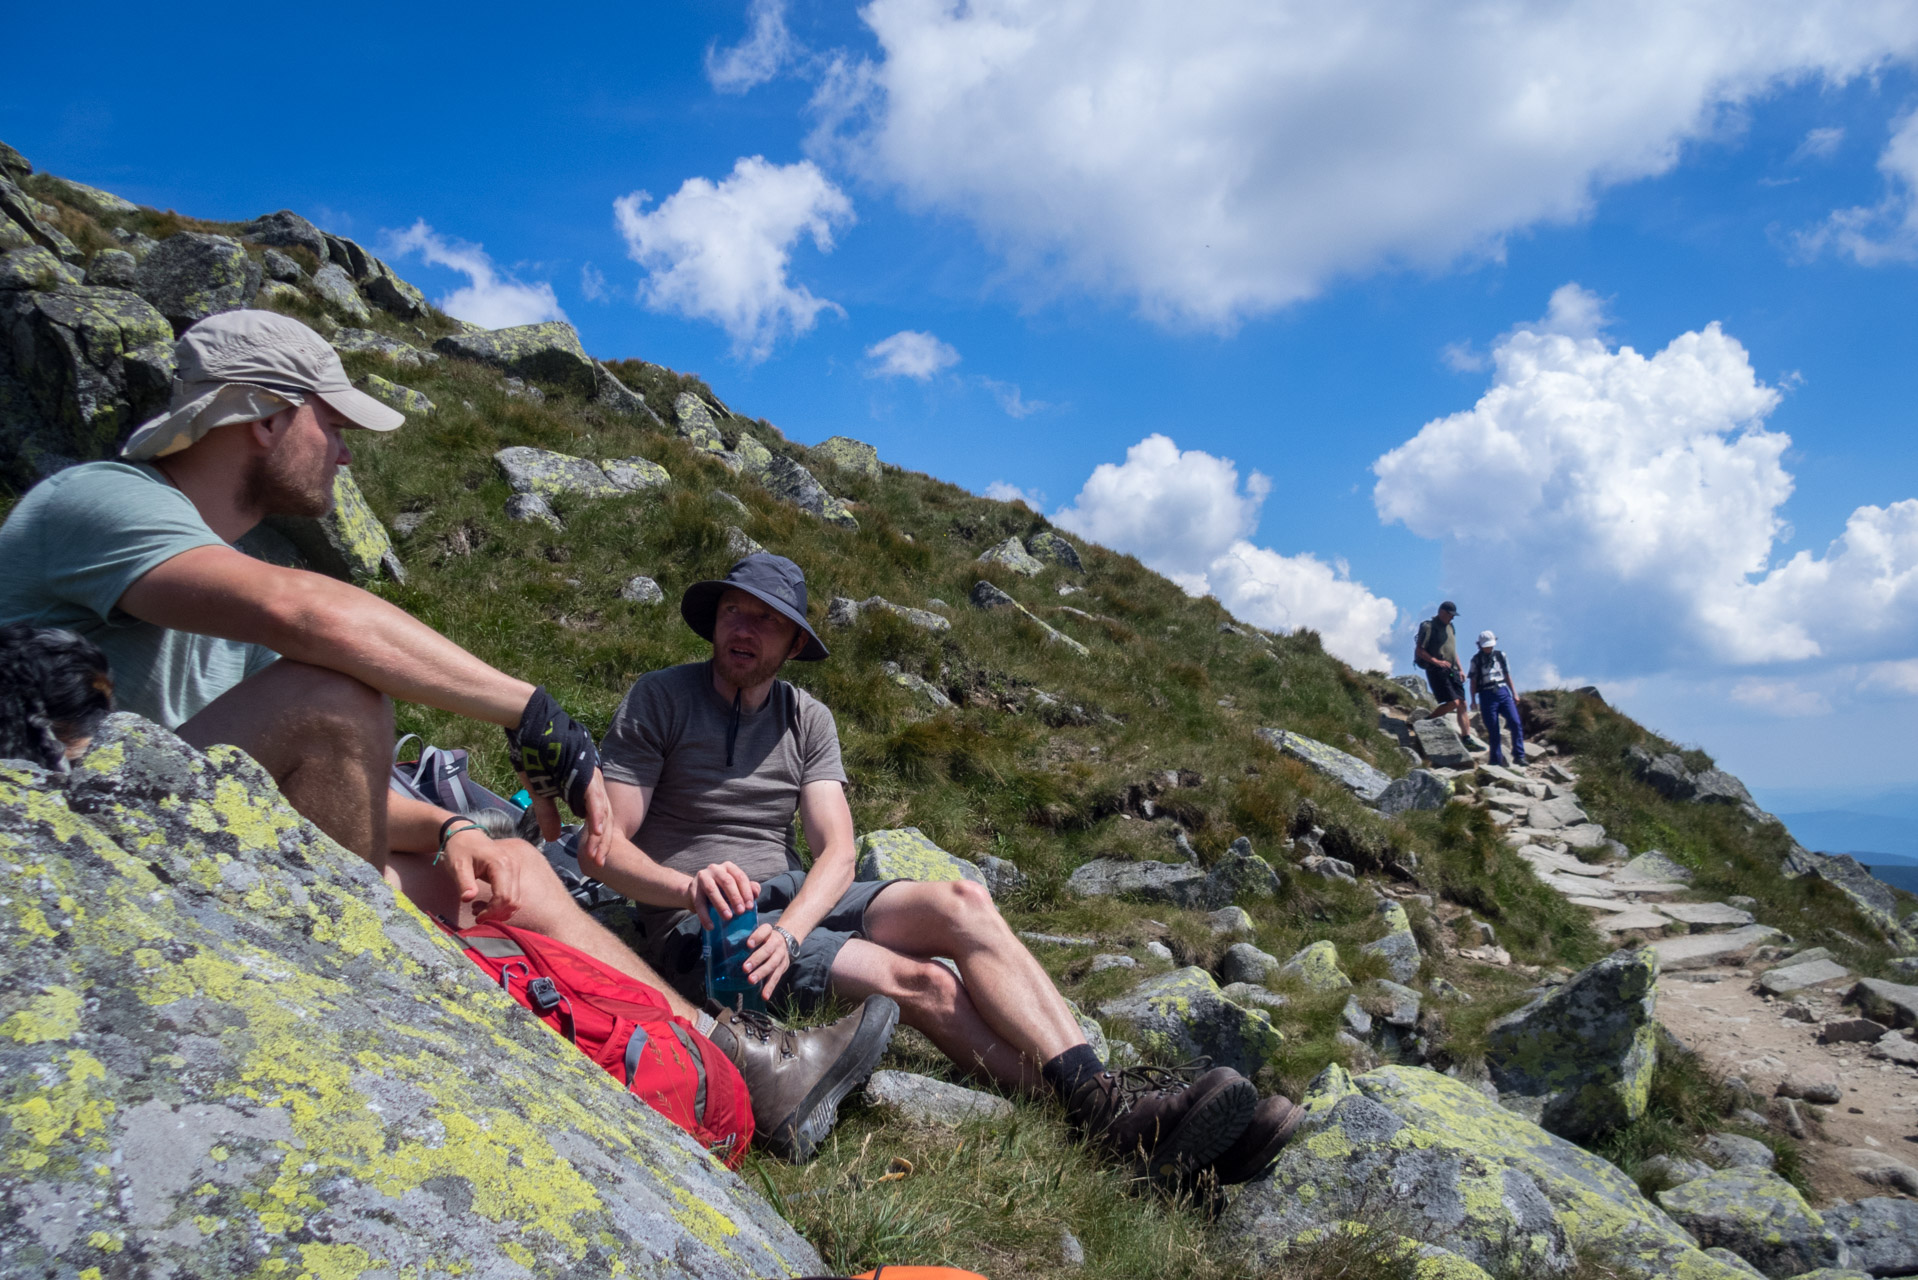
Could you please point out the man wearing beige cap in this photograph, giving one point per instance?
(297, 669)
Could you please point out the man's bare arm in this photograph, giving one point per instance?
(630, 872)
(311, 618)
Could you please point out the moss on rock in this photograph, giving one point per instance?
(905, 853)
(1579, 1058)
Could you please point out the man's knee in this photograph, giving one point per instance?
(316, 695)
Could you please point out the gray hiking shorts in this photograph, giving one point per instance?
(669, 941)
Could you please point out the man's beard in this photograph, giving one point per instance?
(274, 486)
(759, 672)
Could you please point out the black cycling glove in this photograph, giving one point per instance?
(554, 751)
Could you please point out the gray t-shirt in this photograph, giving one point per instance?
(70, 550)
(670, 734)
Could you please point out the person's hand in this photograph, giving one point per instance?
(722, 885)
(554, 756)
(597, 840)
(768, 962)
(472, 857)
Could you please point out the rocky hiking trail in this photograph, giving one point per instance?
(1785, 1023)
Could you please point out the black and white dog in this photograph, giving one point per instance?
(55, 689)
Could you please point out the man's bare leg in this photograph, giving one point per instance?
(326, 738)
(545, 908)
(1005, 1017)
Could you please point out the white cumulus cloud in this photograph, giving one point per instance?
(910, 354)
(1189, 515)
(1006, 491)
(723, 251)
(1220, 160)
(1780, 698)
(759, 57)
(1888, 230)
(490, 299)
(1621, 511)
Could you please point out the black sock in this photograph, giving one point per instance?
(1065, 1072)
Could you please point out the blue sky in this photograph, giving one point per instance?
(1292, 239)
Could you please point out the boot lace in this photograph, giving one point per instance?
(1133, 1083)
(763, 1029)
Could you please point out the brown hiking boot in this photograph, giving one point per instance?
(1273, 1124)
(1168, 1128)
(797, 1078)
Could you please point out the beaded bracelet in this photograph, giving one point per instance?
(448, 830)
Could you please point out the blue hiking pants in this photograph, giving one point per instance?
(1493, 703)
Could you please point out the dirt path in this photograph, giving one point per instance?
(1716, 1013)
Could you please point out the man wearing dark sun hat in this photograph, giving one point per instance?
(707, 764)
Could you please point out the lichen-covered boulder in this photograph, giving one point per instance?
(376, 343)
(336, 289)
(695, 423)
(1440, 744)
(635, 475)
(905, 853)
(749, 457)
(739, 544)
(35, 268)
(1048, 546)
(1350, 772)
(1758, 1216)
(1180, 884)
(1579, 1059)
(1240, 874)
(228, 1050)
(397, 297)
(1467, 1175)
(1187, 1009)
(547, 352)
(1399, 947)
(26, 221)
(1314, 968)
(80, 368)
(1360, 1245)
(114, 269)
(403, 398)
(851, 455)
(1879, 1233)
(1012, 556)
(790, 482)
(916, 684)
(528, 508)
(287, 229)
(1420, 789)
(1244, 962)
(553, 475)
(1003, 876)
(191, 275)
(348, 542)
(842, 612)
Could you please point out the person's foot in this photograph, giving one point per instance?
(1152, 1118)
(797, 1078)
(1273, 1125)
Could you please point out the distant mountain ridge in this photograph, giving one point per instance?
(1842, 830)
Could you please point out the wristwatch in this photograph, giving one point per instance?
(792, 943)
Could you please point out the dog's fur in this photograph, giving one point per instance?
(55, 689)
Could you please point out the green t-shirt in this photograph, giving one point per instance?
(70, 550)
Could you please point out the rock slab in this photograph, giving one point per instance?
(930, 1101)
(1579, 1059)
(905, 853)
(243, 1028)
(1187, 1009)
(1354, 774)
(1758, 1216)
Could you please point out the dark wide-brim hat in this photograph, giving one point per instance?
(774, 579)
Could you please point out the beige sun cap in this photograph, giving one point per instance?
(241, 366)
(1486, 640)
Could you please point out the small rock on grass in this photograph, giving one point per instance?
(1315, 968)
(1817, 1084)
(1244, 962)
(1100, 963)
(1071, 1252)
(1735, 1151)
(526, 507)
(1229, 920)
(930, 1101)
(1159, 951)
(642, 590)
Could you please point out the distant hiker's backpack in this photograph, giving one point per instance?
(626, 1027)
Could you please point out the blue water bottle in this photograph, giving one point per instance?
(725, 951)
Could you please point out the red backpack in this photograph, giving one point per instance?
(626, 1027)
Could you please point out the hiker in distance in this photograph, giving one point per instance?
(1493, 691)
(1435, 652)
(707, 764)
(297, 669)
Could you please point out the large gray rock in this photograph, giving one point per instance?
(990, 598)
(906, 853)
(92, 199)
(396, 395)
(1698, 950)
(1415, 688)
(635, 475)
(1560, 811)
(191, 275)
(1654, 867)
(372, 341)
(1578, 1060)
(1439, 743)
(1735, 1151)
(1181, 884)
(1244, 962)
(1314, 968)
(80, 368)
(1013, 556)
(287, 229)
(553, 475)
(1350, 772)
(844, 613)
(929, 1101)
(1758, 1216)
(1879, 1233)
(1789, 978)
(336, 289)
(216, 1015)
(1188, 1010)
(1459, 1172)
(1419, 789)
(790, 482)
(397, 297)
(114, 269)
(1049, 546)
(695, 423)
(1665, 774)
(1399, 948)
(851, 455)
(1872, 896)
(1893, 1003)
(548, 353)
(1003, 876)
(25, 221)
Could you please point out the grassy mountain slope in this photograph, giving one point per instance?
(1164, 687)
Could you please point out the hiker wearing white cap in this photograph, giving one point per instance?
(1492, 690)
(296, 669)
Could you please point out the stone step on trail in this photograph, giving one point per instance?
(1786, 979)
(1702, 916)
(1701, 950)
(1635, 918)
